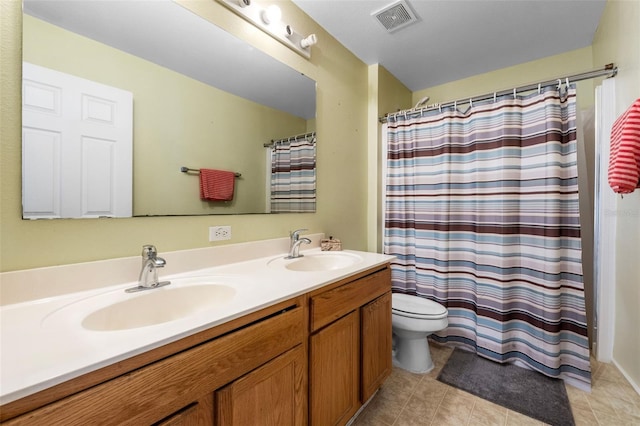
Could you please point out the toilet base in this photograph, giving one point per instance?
(412, 355)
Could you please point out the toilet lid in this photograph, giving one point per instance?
(415, 306)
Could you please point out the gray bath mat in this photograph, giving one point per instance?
(515, 388)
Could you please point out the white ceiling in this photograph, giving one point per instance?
(455, 39)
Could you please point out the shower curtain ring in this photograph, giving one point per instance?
(470, 102)
(539, 88)
(495, 96)
(559, 83)
(514, 93)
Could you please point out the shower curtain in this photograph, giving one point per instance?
(293, 175)
(482, 214)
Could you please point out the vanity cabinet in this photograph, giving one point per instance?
(349, 346)
(313, 359)
(182, 388)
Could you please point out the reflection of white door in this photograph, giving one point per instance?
(77, 139)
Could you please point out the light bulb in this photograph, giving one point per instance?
(288, 31)
(309, 40)
(271, 14)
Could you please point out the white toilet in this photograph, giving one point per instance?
(413, 319)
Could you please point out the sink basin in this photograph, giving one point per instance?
(323, 261)
(158, 306)
(117, 310)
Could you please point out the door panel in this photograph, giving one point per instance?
(87, 172)
(41, 173)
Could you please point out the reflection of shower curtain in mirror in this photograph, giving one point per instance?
(482, 214)
(293, 176)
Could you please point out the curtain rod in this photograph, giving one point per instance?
(292, 138)
(609, 70)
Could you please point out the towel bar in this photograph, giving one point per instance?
(187, 169)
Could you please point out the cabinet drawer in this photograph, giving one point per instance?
(333, 304)
(153, 392)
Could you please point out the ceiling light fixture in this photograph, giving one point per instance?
(269, 19)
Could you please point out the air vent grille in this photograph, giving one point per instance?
(395, 16)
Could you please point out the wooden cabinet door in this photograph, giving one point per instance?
(333, 372)
(272, 395)
(375, 319)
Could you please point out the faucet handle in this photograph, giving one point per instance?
(149, 251)
(296, 234)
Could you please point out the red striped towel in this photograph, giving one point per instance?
(624, 160)
(216, 185)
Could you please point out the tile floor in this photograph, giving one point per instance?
(408, 399)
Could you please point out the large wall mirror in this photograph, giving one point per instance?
(192, 95)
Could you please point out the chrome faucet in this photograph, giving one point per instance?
(294, 243)
(294, 236)
(148, 278)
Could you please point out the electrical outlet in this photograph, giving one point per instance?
(219, 233)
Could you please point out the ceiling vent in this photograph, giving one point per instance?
(395, 16)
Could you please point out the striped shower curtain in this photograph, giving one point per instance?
(293, 175)
(482, 214)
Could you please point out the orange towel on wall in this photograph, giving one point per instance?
(624, 159)
(216, 185)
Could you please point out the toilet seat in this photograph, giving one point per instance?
(410, 306)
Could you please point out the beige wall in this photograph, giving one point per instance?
(342, 169)
(618, 40)
(172, 123)
(386, 93)
(543, 69)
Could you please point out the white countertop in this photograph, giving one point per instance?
(42, 342)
